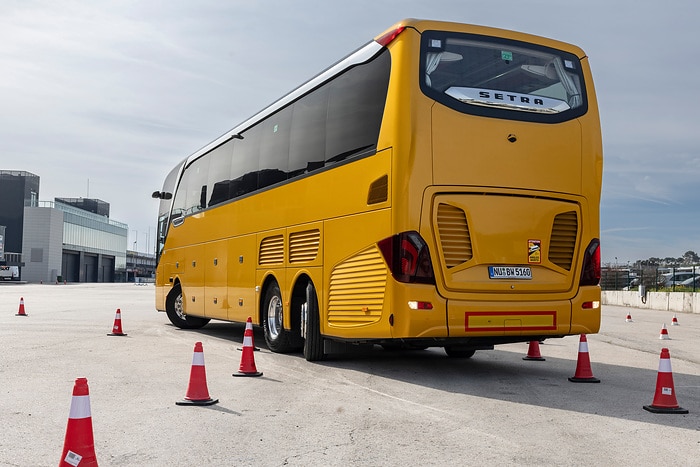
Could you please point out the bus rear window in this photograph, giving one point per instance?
(501, 78)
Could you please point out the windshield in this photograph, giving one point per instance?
(501, 78)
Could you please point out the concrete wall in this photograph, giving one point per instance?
(43, 243)
(682, 302)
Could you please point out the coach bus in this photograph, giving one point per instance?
(438, 187)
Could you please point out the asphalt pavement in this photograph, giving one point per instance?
(361, 408)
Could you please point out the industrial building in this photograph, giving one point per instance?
(68, 239)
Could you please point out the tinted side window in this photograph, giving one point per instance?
(218, 180)
(355, 108)
(274, 148)
(244, 165)
(307, 139)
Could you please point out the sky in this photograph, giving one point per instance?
(102, 98)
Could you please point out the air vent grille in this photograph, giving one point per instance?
(303, 246)
(455, 240)
(271, 250)
(562, 244)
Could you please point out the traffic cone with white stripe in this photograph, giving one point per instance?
(117, 328)
(665, 395)
(197, 391)
(21, 311)
(79, 445)
(674, 321)
(583, 365)
(664, 333)
(247, 367)
(628, 319)
(533, 352)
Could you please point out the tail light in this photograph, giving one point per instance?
(408, 258)
(591, 264)
(390, 36)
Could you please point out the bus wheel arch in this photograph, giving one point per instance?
(174, 308)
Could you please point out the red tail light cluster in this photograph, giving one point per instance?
(390, 36)
(591, 264)
(408, 258)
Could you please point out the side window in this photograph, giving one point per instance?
(219, 180)
(180, 199)
(307, 139)
(244, 164)
(355, 108)
(198, 173)
(274, 148)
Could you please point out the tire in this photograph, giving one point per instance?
(176, 312)
(459, 352)
(277, 338)
(313, 342)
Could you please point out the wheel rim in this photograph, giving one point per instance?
(274, 317)
(179, 309)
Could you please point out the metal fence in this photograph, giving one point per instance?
(684, 279)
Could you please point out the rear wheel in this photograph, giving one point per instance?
(311, 323)
(175, 310)
(459, 352)
(277, 338)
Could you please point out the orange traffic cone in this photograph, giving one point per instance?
(583, 365)
(197, 392)
(117, 328)
(533, 352)
(665, 395)
(628, 318)
(247, 367)
(79, 445)
(21, 311)
(664, 333)
(674, 321)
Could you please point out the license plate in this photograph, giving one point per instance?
(510, 272)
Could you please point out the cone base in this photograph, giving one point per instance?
(574, 379)
(200, 402)
(251, 373)
(653, 409)
(21, 314)
(539, 359)
(116, 334)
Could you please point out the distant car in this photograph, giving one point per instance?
(693, 281)
(676, 278)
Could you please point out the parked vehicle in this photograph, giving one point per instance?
(676, 278)
(692, 282)
(9, 273)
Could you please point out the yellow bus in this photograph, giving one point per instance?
(438, 187)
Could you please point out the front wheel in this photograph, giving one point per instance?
(311, 323)
(277, 338)
(175, 310)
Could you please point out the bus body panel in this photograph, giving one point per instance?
(474, 231)
(241, 282)
(356, 290)
(476, 151)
